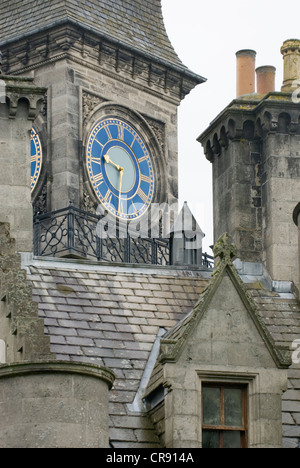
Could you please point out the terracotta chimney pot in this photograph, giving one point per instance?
(245, 72)
(265, 79)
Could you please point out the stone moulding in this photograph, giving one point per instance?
(63, 367)
(250, 118)
(72, 41)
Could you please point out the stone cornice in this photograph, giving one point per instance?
(98, 52)
(65, 367)
(250, 118)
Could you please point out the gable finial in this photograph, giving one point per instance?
(225, 249)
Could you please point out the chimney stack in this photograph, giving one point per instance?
(291, 58)
(265, 79)
(245, 72)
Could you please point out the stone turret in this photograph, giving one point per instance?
(253, 146)
(20, 103)
(44, 402)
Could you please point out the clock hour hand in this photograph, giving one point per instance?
(109, 161)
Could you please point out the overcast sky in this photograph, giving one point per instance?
(206, 35)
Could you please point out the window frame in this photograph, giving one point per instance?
(221, 428)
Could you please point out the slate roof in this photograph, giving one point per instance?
(281, 315)
(137, 24)
(111, 316)
(282, 319)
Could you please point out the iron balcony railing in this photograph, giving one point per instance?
(72, 232)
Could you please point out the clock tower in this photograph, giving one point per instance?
(108, 133)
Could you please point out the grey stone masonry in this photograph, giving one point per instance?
(21, 103)
(21, 329)
(54, 405)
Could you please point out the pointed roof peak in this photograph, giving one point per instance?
(187, 223)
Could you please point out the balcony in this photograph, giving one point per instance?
(74, 233)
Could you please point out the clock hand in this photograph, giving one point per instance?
(109, 161)
(120, 187)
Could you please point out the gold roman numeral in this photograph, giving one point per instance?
(96, 161)
(107, 198)
(133, 208)
(133, 141)
(144, 158)
(97, 141)
(120, 132)
(145, 178)
(108, 132)
(98, 179)
(142, 195)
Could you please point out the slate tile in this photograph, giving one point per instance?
(66, 349)
(80, 341)
(62, 331)
(99, 352)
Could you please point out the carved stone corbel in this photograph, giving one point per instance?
(20, 89)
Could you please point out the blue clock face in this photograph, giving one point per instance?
(36, 158)
(120, 169)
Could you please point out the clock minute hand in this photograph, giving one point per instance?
(109, 161)
(120, 187)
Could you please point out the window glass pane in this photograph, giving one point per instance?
(210, 439)
(231, 439)
(211, 406)
(233, 407)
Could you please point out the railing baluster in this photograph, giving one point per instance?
(36, 237)
(71, 231)
(127, 250)
(99, 248)
(154, 251)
